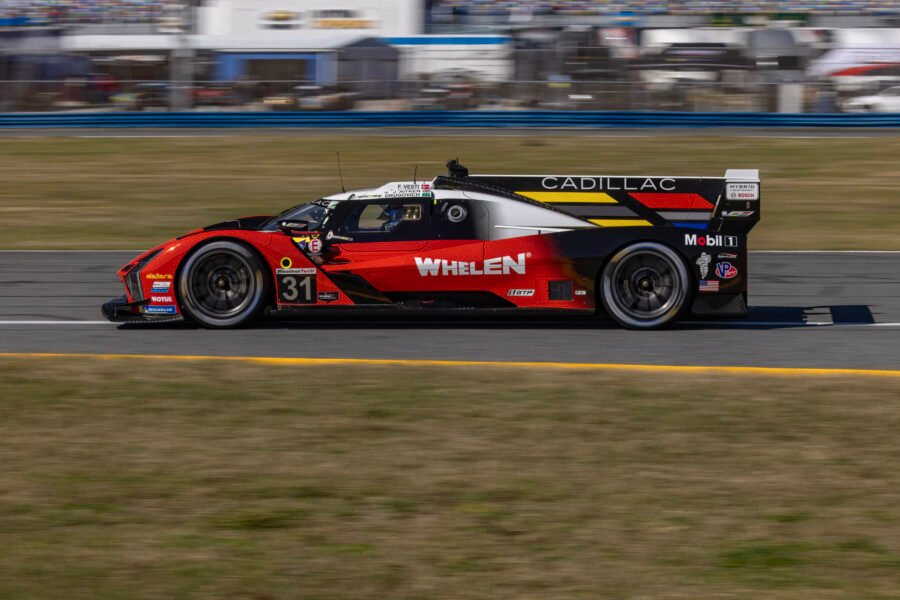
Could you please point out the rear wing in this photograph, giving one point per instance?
(729, 204)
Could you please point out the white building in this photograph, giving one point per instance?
(300, 40)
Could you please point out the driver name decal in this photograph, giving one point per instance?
(501, 265)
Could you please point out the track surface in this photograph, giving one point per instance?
(826, 310)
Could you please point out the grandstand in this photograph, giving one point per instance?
(70, 12)
(81, 12)
(538, 8)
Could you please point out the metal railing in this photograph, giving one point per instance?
(86, 95)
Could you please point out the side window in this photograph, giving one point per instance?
(391, 220)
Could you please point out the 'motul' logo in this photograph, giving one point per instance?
(502, 265)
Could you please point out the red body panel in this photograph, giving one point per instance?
(516, 270)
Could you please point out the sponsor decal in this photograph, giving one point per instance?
(609, 184)
(305, 271)
(286, 263)
(160, 287)
(156, 276)
(520, 293)
(738, 213)
(711, 241)
(159, 310)
(343, 24)
(703, 263)
(501, 265)
(296, 286)
(742, 191)
(162, 299)
(581, 292)
(281, 19)
(709, 285)
(328, 296)
(315, 245)
(407, 190)
(726, 256)
(725, 270)
(304, 241)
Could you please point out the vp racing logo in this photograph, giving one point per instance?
(502, 265)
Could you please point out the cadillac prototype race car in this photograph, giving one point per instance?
(644, 250)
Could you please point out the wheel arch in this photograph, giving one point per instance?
(690, 283)
(269, 297)
(598, 276)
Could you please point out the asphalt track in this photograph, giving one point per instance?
(811, 310)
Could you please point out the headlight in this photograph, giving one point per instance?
(133, 278)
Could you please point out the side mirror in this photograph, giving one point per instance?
(293, 227)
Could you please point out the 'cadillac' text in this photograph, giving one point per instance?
(609, 184)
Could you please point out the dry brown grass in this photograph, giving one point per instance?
(134, 193)
(149, 480)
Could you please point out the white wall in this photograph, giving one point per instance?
(656, 40)
(490, 62)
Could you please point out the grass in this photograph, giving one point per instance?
(219, 480)
(818, 193)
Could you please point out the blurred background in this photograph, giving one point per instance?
(792, 56)
(259, 479)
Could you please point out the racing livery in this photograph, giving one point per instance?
(644, 250)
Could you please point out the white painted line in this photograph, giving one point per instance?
(69, 251)
(785, 324)
(711, 323)
(57, 323)
(824, 251)
(808, 137)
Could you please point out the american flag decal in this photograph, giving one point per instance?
(709, 286)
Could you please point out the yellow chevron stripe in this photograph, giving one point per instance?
(621, 222)
(551, 197)
(310, 362)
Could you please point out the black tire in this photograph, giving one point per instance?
(222, 285)
(645, 286)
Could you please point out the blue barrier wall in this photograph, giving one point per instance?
(442, 119)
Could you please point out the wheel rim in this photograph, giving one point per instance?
(222, 285)
(646, 285)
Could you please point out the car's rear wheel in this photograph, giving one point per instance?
(222, 284)
(645, 286)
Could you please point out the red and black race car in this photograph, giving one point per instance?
(644, 250)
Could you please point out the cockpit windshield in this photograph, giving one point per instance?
(315, 213)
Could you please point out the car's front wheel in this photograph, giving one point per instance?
(222, 284)
(645, 286)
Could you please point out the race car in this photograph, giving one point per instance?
(644, 250)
